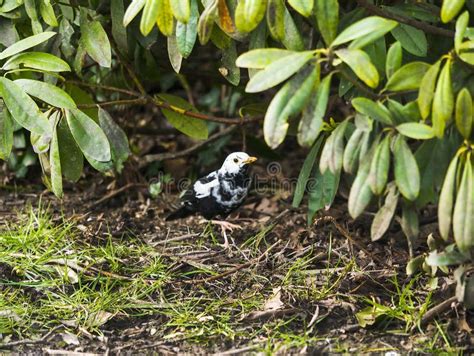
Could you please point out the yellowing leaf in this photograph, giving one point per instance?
(408, 77)
(304, 7)
(360, 63)
(443, 102)
(464, 113)
(249, 13)
(450, 9)
(427, 90)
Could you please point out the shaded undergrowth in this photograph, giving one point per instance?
(120, 292)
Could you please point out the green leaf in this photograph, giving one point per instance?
(450, 9)
(72, 159)
(384, 216)
(228, 68)
(312, 120)
(275, 125)
(327, 15)
(464, 113)
(446, 200)
(360, 63)
(466, 52)
(276, 18)
(278, 71)
(446, 258)
(305, 172)
(46, 92)
(132, 11)
(304, 7)
(55, 163)
(23, 109)
(322, 189)
(394, 59)
(164, 18)
(461, 26)
(374, 27)
(206, 21)
(190, 126)
(186, 34)
(262, 57)
(416, 130)
(360, 194)
(181, 10)
(82, 97)
(375, 110)
(463, 217)
(379, 167)
(407, 175)
(427, 90)
(26, 43)
(443, 102)
(249, 14)
(352, 151)
(408, 77)
(6, 133)
(47, 13)
(149, 15)
(119, 32)
(292, 39)
(117, 138)
(37, 60)
(333, 151)
(88, 135)
(412, 40)
(96, 43)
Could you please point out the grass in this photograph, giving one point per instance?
(53, 274)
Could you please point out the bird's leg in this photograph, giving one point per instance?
(225, 225)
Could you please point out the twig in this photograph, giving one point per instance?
(140, 101)
(29, 341)
(375, 10)
(104, 87)
(174, 239)
(237, 351)
(254, 262)
(114, 193)
(437, 310)
(145, 160)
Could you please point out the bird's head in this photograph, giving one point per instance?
(237, 162)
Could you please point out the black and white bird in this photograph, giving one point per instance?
(219, 193)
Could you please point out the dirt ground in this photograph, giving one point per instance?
(281, 287)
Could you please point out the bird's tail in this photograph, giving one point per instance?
(182, 212)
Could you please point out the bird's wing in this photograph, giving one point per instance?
(203, 186)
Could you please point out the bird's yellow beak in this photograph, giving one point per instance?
(250, 160)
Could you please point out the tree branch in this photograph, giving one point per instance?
(145, 160)
(140, 101)
(375, 10)
(104, 87)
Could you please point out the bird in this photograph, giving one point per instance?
(219, 193)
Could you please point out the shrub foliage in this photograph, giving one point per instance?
(402, 69)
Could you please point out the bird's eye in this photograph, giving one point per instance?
(236, 160)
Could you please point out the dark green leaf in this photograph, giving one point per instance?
(327, 15)
(305, 172)
(443, 102)
(379, 166)
(88, 135)
(412, 40)
(96, 43)
(72, 159)
(322, 189)
(464, 113)
(6, 133)
(119, 32)
(186, 34)
(407, 175)
(276, 18)
(463, 217)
